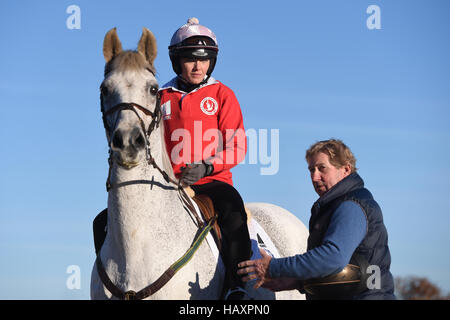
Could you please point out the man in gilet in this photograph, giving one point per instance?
(347, 255)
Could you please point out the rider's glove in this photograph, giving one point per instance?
(194, 172)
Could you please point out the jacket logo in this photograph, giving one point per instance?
(165, 110)
(209, 106)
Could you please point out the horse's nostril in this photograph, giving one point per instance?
(139, 142)
(117, 141)
(137, 139)
(125, 140)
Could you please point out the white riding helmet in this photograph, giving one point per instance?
(193, 40)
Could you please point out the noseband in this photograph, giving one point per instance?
(156, 115)
(156, 119)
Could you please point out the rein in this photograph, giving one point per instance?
(203, 229)
(163, 279)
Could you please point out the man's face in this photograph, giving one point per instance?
(323, 174)
(194, 70)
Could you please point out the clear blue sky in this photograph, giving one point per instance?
(310, 69)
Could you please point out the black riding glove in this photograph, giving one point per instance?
(194, 172)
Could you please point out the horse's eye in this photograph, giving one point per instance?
(153, 90)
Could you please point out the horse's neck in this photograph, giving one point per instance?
(144, 218)
(135, 207)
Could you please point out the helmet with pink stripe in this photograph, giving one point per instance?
(194, 41)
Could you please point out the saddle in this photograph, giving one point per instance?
(206, 207)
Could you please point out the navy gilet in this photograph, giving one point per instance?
(373, 249)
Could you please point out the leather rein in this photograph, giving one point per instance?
(204, 228)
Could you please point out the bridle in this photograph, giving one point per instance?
(156, 119)
(203, 228)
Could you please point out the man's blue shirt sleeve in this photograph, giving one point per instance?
(348, 227)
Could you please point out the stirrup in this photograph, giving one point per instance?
(237, 293)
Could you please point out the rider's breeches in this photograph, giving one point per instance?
(232, 220)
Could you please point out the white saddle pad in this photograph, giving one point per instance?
(258, 237)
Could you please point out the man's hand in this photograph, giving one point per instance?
(259, 269)
(256, 269)
(194, 172)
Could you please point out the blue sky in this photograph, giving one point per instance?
(310, 69)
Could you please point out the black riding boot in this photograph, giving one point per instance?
(99, 226)
(236, 248)
(232, 220)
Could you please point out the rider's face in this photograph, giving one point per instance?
(194, 70)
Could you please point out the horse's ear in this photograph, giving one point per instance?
(111, 45)
(147, 45)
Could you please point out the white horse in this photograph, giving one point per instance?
(149, 227)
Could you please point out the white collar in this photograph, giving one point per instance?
(172, 84)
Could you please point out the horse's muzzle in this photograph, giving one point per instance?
(127, 147)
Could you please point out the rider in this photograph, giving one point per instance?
(205, 138)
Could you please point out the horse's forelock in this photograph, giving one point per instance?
(128, 60)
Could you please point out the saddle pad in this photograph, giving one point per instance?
(260, 239)
(258, 236)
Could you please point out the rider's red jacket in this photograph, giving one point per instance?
(204, 124)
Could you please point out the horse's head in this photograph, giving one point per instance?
(129, 97)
